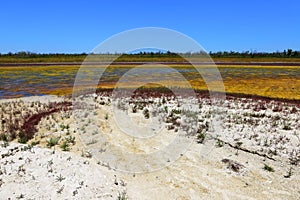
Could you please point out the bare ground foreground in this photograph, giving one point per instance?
(254, 154)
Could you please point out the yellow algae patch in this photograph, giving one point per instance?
(274, 88)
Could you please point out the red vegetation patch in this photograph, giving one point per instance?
(28, 129)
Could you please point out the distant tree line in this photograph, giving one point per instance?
(27, 54)
(249, 54)
(221, 54)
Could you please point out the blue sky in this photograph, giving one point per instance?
(73, 26)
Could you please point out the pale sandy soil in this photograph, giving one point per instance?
(200, 172)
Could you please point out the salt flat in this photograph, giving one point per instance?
(252, 154)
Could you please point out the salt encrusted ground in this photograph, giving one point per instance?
(226, 163)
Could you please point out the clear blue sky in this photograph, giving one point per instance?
(73, 26)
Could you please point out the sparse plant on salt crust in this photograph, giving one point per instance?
(60, 178)
(146, 113)
(268, 168)
(59, 191)
(23, 140)
(65, 146)
(93, 141)
(238, 145)
(52, 142)
(5, 144)
(200, 138)
(220, 143)
(70, 139)
(122, 196)
(289, 173)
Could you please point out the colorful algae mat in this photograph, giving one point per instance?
(268, 81)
